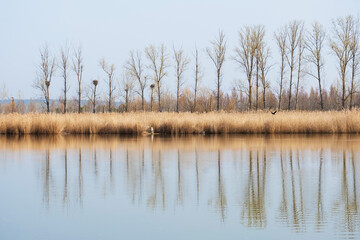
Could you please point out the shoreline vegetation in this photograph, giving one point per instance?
(187, 143)
(165, 123)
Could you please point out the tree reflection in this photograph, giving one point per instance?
(197, 176)
(65, 197)
(349, 198)
(158, 188)
(47, 179)
(307, 192)
(180, 199)
(254, 212)
(320, 209)
(80, 179)
(292, 204)
(221, 197)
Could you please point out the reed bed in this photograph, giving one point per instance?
(292, 122)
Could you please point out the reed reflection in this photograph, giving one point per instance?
(311, 187)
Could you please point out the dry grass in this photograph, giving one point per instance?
(182, 123)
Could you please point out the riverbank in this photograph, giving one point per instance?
(284, 122)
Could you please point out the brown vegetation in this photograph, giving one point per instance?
(182, 123)
(274, 142)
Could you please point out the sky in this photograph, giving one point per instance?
(110, 29)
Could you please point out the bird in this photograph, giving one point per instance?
(149, 131)
(274, 112)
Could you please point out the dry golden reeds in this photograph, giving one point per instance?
(182, 123)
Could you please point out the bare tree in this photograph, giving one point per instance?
(354, 55)
(181, 63)
(64, 68)
(340, 44)
(263, 54)
(152, 86)
(217, 55)
(92, 94)
(314, 46)
(245, 56)
(78, 67)
(281, 38)
(293, 36)
(110, 71)
(135, 68)
(45, 74)
(197, 78)
(127, 86)
(301, 49)
(258, 38)
(158, 64)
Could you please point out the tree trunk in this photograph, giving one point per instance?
(343, 89)
(126, 100)
(65, 93)
(264, 98)
(218, 91)
(352, 82)
(152, 99)
(250, 90)
(48, 100)
(194, 106)
(142, 100)
(79, 107)
(281, 83)
(257, 84)
(177, 94)
(291, 76)
(94, 101)
(159, 97)
(320, 90)
(110, 94)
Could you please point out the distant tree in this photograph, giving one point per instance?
(78, 67)
(294, 30)
(197, 78)
(217, 55)
(45, 73)
(64, 68)
(300, 70)
(110, 71)
(91, 94)
(258, 33)
(263, 54)
(281, 39)
(340, 44)
(127, 86)
(152, 86)
(135, 68)
(245, 55)
(354, 62)
(158, 64)
(181, 63)
(314, 46)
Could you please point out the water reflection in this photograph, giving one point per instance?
(304, 183)
(253, 212)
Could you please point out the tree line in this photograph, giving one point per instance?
(301, 54)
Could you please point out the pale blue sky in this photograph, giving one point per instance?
(111, 28)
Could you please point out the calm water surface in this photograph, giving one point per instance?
(219, 187)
